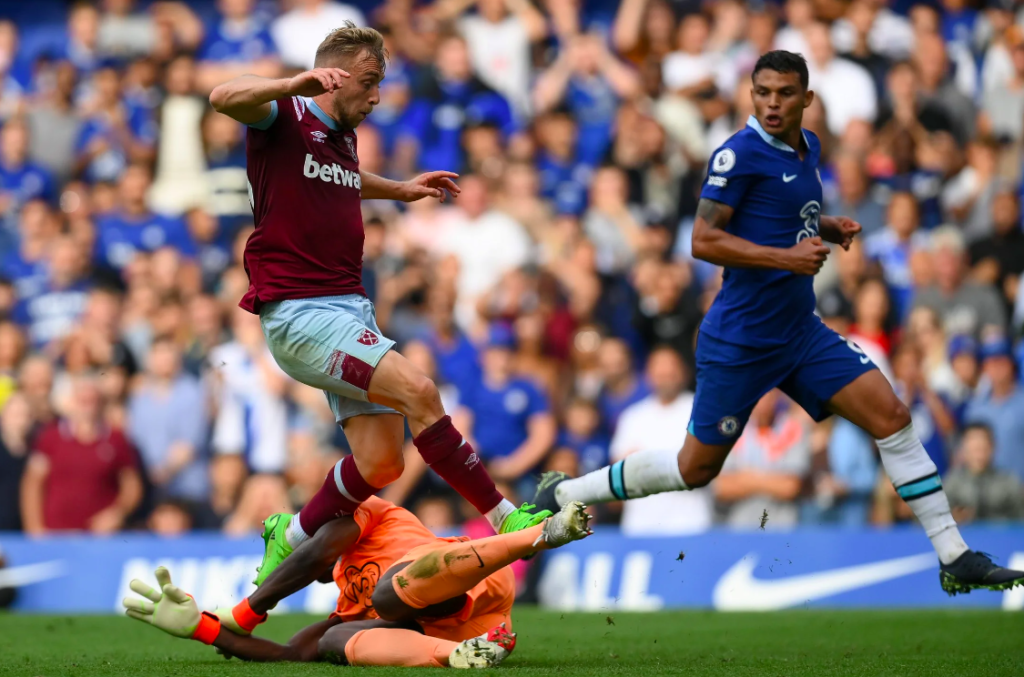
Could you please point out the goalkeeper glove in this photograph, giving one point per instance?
(171, 609)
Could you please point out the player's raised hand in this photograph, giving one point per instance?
(845, 228)
(170, 608)
(431, 184)
(317, 81)
(807, 256)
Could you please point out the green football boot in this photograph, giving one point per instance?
(523, 518)
(277, 548)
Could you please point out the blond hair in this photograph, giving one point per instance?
(351, 40)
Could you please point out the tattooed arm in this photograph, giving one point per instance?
(712, 243)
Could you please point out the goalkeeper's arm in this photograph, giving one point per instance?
(174, 611)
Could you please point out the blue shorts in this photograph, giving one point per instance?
(731, 378)
(329, 342)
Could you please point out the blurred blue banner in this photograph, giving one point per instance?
(719, 569)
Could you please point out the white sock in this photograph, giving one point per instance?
(917, 482)
(294, 534)
(496, 515)
(640, 474)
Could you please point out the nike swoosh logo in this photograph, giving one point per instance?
(27, 574)
(738, 590)
(787, 178)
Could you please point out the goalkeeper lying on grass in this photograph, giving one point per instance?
(406, 597)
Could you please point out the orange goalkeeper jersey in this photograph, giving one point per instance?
(387, 532)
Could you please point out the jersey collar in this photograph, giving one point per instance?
(331, 123)
(771, 140)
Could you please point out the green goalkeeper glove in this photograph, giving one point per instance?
(170, 609)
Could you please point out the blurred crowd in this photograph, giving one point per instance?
(555, 301)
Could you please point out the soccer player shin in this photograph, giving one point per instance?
(760, 218)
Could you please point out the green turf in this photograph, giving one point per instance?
(790, 644)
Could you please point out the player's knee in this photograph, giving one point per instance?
(384, 469)
(387, 604)
(697, 474)
(893, 417)
(421, 394)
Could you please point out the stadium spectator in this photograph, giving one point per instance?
(113, 135)
(670, 312)
(931, 416)
(998, 259)
(976, 490)
(964, 306)
(305, 25)
(16, 426)
(81, 474)
(1003, 105)
(621, 385)
(581, 436)
(845, 87)
(225, 178)
(925, 330)
(20, 179)
(486, 243)
(968, 197)
(766, 469)
(870, 327)
(590, 81)
(133, 228)
(236, 43)
(854, 195)
(449, 97)
(252, 415)
(999, 404)
(843, 491)
(52, 312)
(54, 125)
(499, 37)
(653, 423)
(893, 246)
(35, 382)
(167, 423)
(513, 427)
(611, 223)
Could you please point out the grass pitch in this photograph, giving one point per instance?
(787, 644)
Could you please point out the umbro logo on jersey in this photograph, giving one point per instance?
(368, 338)
(318, 136)
(331, 172)
(786, 178)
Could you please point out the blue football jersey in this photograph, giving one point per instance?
(777, 201)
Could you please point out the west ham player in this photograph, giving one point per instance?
(304, 262)
(406, 597)
(760, 217)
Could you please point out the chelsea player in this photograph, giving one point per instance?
(760, 218)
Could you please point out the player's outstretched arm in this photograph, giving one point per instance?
(247, 98)
(429, 184)
(839, 230)
(714, 244)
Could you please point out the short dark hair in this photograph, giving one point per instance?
(782, 61)
(984, 428)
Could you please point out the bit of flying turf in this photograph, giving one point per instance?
(788, 644)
